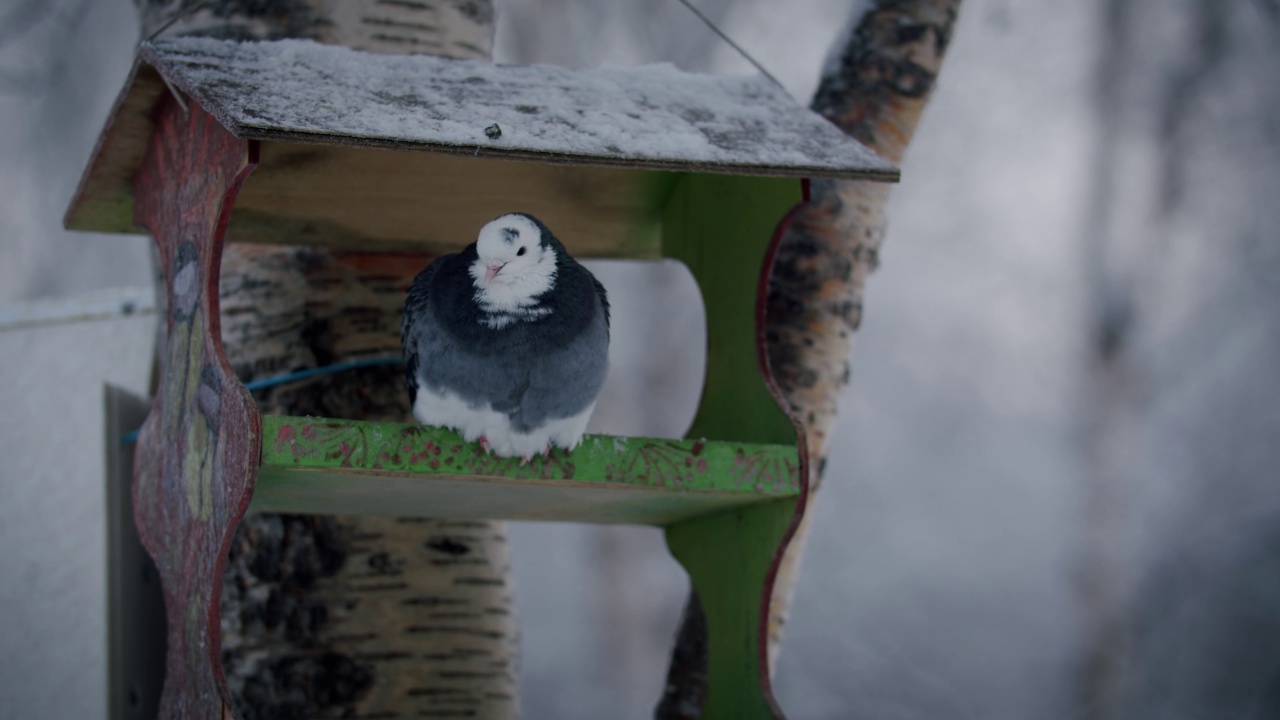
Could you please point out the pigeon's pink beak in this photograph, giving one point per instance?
(491, 271)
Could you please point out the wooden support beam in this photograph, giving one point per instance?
(195, 464)
(727, 229)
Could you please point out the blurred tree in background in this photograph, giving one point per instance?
(1182, 254)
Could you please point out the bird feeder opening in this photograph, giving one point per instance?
(665, 400)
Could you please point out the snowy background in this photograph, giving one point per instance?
(1055, 491)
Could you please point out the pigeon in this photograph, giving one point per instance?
(507, 342)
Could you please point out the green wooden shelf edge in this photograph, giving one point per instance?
(324, 466)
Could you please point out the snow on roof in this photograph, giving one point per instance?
(653, 116)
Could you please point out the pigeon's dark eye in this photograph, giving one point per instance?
(520, 251)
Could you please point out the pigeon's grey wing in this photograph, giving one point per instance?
(604, 298)
(565, 380)
(413, 324)
(446, 348)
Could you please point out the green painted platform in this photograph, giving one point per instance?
(325, 466)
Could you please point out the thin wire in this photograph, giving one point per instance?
(707, 21)
(176, 17)
(299, 375)
(168, 24)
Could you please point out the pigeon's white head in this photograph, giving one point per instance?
(516, 263)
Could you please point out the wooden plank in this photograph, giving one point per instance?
(347, 467)
(653, 117)
(103, 202)
(135, 604)
(368, 199)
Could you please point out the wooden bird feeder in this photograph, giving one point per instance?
(291, 141)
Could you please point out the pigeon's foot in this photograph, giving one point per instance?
(546, 452)
(484, 445)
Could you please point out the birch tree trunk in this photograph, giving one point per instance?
(876, 83)
(363, 617)
(449, 28)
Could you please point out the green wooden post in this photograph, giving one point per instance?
(728, 557)
(721, 227)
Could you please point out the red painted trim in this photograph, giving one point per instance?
(802, 445)
(196, 464)
(255, 418)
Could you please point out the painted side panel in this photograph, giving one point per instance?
(726, 229)
(197, 451)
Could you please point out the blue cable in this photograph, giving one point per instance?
(326, 370)
(299, 375)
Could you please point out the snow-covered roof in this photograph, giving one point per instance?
(295, 93)
(652, 116)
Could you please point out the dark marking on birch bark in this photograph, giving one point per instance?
(432, 601)
(494, 582)
(878, 67)
(407, 40)
(686, 685)
(240, 19)
(385, 656)
(381, 563)
(479, 12)
(273, 569)
(387, 22)
(326, 679)
(447, 545)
